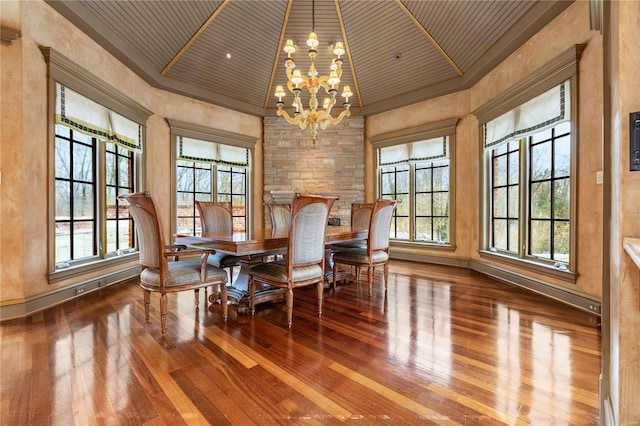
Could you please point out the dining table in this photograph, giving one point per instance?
(255, 246)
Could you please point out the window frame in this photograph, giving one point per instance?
(64, 71)
(562, 68)
(445, 128)
(203, 133)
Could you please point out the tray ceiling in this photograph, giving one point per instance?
(229, 52)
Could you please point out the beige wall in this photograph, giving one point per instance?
(625, 276)
(23, 273)
(570, 28)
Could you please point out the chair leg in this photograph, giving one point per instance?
(223, 301)
(147, 303)
(163, 312)
(197, 292)
(386, 275)
(370, 279)
(335, 270)
(289, 306)
(320, 294)
(252, 294)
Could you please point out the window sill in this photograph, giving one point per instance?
(538, 268)
(87, 268)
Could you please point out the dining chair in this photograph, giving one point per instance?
(376, 252)
(217, 216)
(304, 259)
(280, 215)
(158, 273)
(360, 217)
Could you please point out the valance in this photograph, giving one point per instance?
(201, 151)
(544, 111)
(430, 149)
(91, 118)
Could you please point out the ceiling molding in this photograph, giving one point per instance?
(8, 35)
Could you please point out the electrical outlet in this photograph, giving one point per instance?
(80, 290)
(594, 308)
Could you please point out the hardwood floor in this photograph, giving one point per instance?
(443, 346)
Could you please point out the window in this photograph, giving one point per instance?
(547, 157)
(90, 172)
(528, 170)
(418, 174)
(195, 181)
(210, 165)
(95, 153)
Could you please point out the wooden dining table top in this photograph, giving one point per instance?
(261, 240)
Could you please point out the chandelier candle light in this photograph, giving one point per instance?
(316, 119)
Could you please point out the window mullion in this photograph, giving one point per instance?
(101, 196)
(524, 225)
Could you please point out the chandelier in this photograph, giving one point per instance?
(312, 117)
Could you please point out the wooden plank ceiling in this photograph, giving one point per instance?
(229, 52)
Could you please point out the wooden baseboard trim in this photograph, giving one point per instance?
(48, 300)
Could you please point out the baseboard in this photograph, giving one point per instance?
(561, 294)
(48, 300)
(437, 260)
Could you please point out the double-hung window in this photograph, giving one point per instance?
(210, 165)
(529, 172)
(415, 167)
(97, 136)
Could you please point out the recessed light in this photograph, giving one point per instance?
(228, 55)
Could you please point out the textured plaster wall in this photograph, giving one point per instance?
(570, 28)
(23, 152)
(625, 284)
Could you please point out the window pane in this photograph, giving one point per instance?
(561, 241)
(224, 183)
(224, 197)
(513, 235)
(562, 157)
(500, 202)
(544, 135)
(402, 182)
(402, 208)
(441, 204)
(63, 158)
(514, 168)
(541, 200)
(238, 183)
(388, 183)
(125, 172)
(203, 197)
(514, 206)
(441, 229)
(83, 239)
(111, 169)
(500, 170)
(203, 180)
(125, 230)
(441, 179)
(541, 238)
(184, 179)
(186, 207)
(402, 224)
(423, 229)
(238, 202)
(63, 201)
(83, 201)
(561, 199)
(111, 202)
(423, 205)
(500, 234)
(423, 180)
(63, 242)
(541, 161)
(82, 162)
